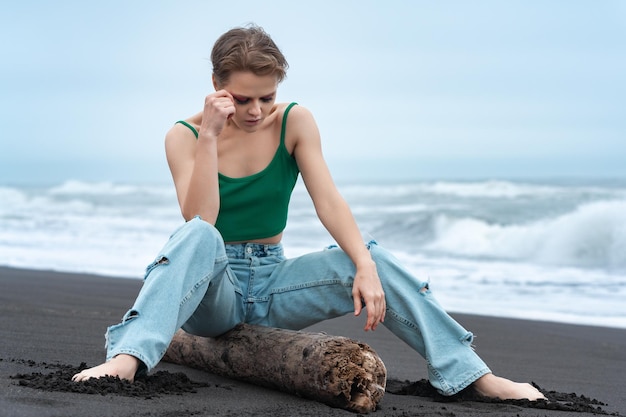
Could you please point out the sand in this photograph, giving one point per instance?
(53, 323)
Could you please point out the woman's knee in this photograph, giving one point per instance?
(198, 230)
(201, 226)
(381, 255)
(392, 270)
(196, 239)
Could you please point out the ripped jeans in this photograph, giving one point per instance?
(206, 287)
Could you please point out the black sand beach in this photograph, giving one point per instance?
(52, 322)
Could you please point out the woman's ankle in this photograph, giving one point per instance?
(127, 365)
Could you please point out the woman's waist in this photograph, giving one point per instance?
(272, 240)
(242, 250)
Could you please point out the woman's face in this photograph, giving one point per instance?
(254, 97)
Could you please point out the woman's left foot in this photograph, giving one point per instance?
(492, 386)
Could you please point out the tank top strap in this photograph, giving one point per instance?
(284, 124)
(193, 129)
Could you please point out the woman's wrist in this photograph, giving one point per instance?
(206, 137)
(364, 261)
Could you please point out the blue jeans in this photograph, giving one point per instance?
(206, 287)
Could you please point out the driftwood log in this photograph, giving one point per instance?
(337, 371)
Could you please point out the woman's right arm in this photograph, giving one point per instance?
(193, 163)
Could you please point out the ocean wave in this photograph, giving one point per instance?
(11, 198)
(482, 189)
(490, 189)
(82, 188)
(593, 235)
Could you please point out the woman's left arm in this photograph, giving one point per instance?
(335, 214)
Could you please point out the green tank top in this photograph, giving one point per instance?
(256, 206)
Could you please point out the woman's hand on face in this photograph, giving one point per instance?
(368, 289)
(218, 108)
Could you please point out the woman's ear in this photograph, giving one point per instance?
(215, 86)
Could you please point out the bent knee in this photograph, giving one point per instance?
(199, 229)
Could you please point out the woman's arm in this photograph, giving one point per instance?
(335, 214)
(193, 163)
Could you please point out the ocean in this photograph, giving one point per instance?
(536, 249)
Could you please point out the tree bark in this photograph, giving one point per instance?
(337, 371)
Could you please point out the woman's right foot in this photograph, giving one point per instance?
(122, 366)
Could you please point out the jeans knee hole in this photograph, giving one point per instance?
(468, 339)
(130, 315)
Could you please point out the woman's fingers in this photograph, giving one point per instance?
(218, 108)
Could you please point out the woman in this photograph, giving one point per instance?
(234, 166)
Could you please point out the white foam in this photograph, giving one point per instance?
(593, 235)
(81, 188)
(490, 189)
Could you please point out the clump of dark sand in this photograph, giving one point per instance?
(147, 386)
(556, 400)
(168, 383)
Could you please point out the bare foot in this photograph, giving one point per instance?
(493, 386)
(122, 366)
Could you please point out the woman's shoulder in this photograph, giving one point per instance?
(185, 127)
(193, 121)
(300, 126)
(294, 106)
(297, 113)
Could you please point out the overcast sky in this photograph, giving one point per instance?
(432, 89)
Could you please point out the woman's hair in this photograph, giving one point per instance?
(247, 49)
